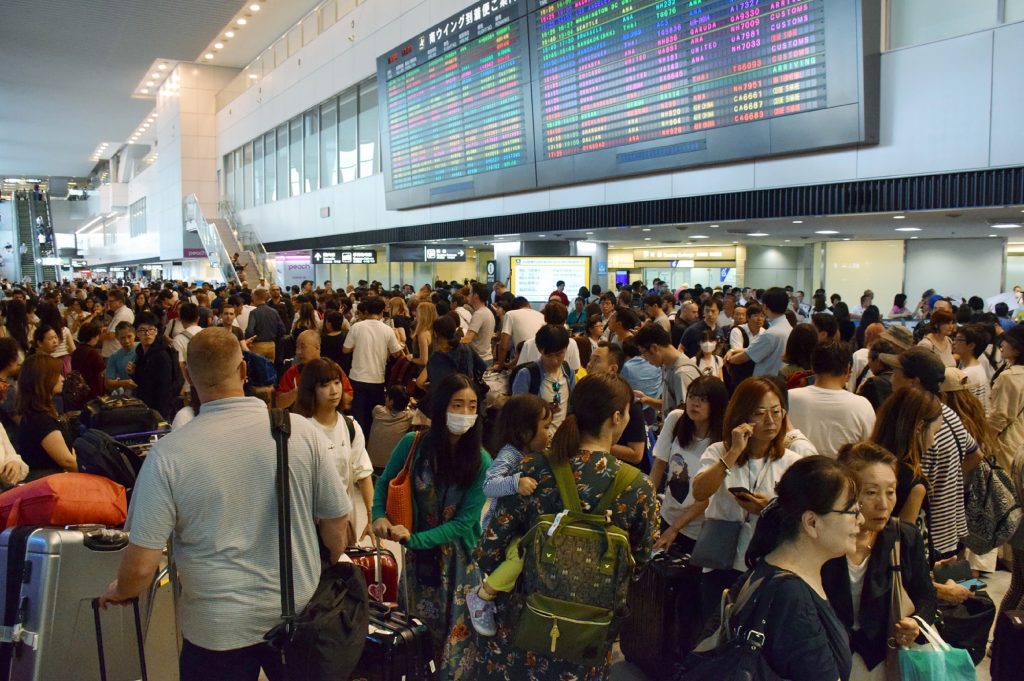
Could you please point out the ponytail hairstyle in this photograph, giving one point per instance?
(594, 400)
(714, 391)
(900, 425)
(458, 465)
(816, 484)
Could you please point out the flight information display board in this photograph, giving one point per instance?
(595, 89)
(457, 106)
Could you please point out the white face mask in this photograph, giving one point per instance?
(707, 347)
(460, 423)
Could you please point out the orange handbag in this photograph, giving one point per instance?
(65, 499)
(399, 502)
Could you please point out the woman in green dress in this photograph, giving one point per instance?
(598, 414)
(448, 470)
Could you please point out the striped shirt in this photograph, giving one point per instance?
(209, 486)
(941, 464)
(502, 478)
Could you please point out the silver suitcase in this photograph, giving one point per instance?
(51, 578)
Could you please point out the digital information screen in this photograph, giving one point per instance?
(534, 278)
(621, 87)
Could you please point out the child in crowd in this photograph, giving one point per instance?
(391, 421)
(708, 362)
(518, 438)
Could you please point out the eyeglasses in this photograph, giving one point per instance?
(854, 510)
(697, 399)
(145, 329)
(762, 415)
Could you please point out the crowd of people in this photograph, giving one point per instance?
(786, 446)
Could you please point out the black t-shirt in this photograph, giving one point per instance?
(330, 346)
(635, 430)
(34, 428)
(906, 481)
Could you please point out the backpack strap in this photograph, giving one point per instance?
(351, 430)
(534, 370)
(566, 485)
(624, 477)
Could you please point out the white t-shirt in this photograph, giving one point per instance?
(754, 477)
(530, 353)
(978, 382)
(123, 314)
(373, 341)
(522, 324)
(736, 336)
(682, 466)
(830, 418)
(353, 463)
(860, 362)
(482, 322)
(465, 314)
(180, 343)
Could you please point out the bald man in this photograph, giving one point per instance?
(209, 487)
(307, 348)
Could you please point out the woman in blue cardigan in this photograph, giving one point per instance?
(448, 470)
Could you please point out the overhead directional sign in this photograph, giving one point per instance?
(326, 257)
(452, 254)
(336, 257)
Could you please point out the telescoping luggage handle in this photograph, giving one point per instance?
(138, 639)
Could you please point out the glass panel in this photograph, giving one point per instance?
(348, 136)
(329, 142)
(310, 29)
(280, 51)
(311, 120)
(295, 156)
(369, 130)
(913, 22)
(239, 190)
(229, 178)
(257, 171)
(282, 162)
(294, 40)
(137, 218)
(270, 186)
(247, 176)
(1014, 11)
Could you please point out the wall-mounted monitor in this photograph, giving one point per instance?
(535, 277)
(511, 95)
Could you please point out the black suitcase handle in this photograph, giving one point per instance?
(138, 638)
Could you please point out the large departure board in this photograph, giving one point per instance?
(515, 94)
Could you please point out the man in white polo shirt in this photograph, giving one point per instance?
(209, 487)
(119, 313)
(370, 341)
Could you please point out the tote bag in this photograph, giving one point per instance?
(936, 660)
(399, 502)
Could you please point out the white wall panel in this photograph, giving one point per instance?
(851, 267)
(961, 267)
(771, 266)
(1008, 95)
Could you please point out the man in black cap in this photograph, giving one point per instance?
(922, 368)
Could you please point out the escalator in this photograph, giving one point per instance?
(35, 236)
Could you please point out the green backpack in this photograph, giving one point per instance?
(576, 572)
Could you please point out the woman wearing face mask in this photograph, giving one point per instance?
(859, 584)
(737, 478)
(448, 471)
(598, 415)
(708, 362)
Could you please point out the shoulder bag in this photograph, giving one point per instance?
(900, 607)
(325, 640)
(399, 505)
(720, 540)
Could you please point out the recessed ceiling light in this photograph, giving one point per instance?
(150, 83)
(913, 237)
(162, 67)
(1006, 225)
(700, 236)
(647, 238)
(144, 91)
(758, 234)
(993, 235)
(253, 76)
(229, 34)
(826, 231)
(787, 241)
(899, 217)
(798, 222)
(908, 229)
(589, 232)
(540, 235)
(714, 226)
(846, 238)
(735, 242)
(154, 75)
(209, 55)
(218, 46)
(254, 7)
(242, 22)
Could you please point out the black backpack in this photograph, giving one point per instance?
(100, 454)
(177, 377)
(534, 369)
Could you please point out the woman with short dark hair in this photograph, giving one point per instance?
(42, 442)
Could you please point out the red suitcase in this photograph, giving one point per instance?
(381, 571)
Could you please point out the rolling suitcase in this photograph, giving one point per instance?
(380, 569)
(1008, 646)
(664, 615)
(51, 577)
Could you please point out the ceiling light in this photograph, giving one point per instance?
(218, 46)
(154, 75)
(899, 217)
(757, 234)
(589, 232)
(254, 7)
(825, 231)
(714, 226)
(1005, 225)
(647, 238)
(908, 229)
(542, 235)
(162, 67)
(253, 76)
(913, 237)
(700, 236)
(209, 55)
(242, 22)
(144, 91)
(787, 240)
(798, 222)
(993, 235)
(846, 238)
(229, 34)
(150, 83)
(647, 229)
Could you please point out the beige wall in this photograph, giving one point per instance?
(853, 266)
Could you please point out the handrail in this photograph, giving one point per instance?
(250, 242)
(37, 274)
(216, 250)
